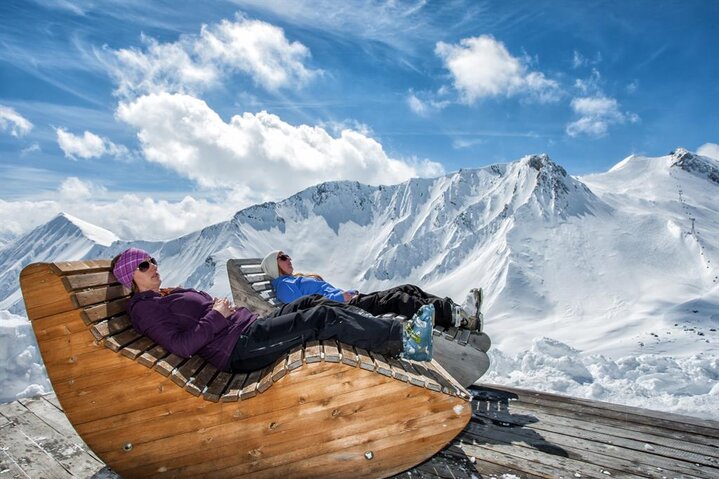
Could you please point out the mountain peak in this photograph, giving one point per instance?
(92, 232)
(695, 164)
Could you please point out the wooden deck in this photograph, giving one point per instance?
(513, 431)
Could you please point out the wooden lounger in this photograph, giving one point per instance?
(461, 353)
(324, 410)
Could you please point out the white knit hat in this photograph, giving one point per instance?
(269, 264)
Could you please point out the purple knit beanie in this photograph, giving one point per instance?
(127, 264)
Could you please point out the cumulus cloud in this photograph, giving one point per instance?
(709, 149)
(596, 114)
(483, 67)
(89, 145)
(254, 152)
(12, 121)
(197, 62)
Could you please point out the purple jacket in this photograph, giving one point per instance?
(184, 323)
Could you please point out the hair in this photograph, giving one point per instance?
(309, 275)
(133, 289)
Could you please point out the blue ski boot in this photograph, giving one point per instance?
(417, 335)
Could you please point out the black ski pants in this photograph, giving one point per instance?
(313, 318)
(405, 300)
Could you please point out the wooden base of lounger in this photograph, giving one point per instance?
(324, 410)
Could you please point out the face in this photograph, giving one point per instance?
(284, 263)
(148, 280)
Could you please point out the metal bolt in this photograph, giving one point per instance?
(369, 455)
(127, 447)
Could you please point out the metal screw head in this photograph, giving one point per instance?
(127, 447)
(368, 455)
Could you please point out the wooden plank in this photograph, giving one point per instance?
(382, 366)
(232, 392)
(198, 384)
(414, 377)
(120, 340)
(43, 292)
(249, 388)
(579, 451)
(331, 351)
(704, 427)
(217, 386)
(136, 348)
(429, 380)
(182, 374)
(262, 286)
(265, 380)
(93, 314)
(279, 369)
(313, 352)
(627, 436)
(111, 326)
(92, 296)
(89, 280)
(349, 356)
(398, 371)
(294, 358)
(151, 357)
(73, 459)
(365, 361)
(168, 364)
(80, 267)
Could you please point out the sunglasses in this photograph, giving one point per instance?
(145, 265)
(283, 257)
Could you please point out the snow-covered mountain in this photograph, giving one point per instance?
(603, 264)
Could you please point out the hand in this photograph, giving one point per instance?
(223, 306)
(348, 295)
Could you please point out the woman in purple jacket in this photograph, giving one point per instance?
(188, 322)
(406, 299)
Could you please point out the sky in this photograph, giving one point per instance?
(154, 119)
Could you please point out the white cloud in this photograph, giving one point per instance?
(73, 188)
(197, 62)
(34, 148)
(257, 153)
(596, 115)
(709, 149)
(89, 145)
(12, 121)
(482, 67)
(426, 105)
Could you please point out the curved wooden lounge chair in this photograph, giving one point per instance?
(325, 409)
(461, 353)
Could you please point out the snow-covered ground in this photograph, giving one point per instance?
(603, 287)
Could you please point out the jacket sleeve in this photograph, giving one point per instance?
(157, 322)
(289, 288)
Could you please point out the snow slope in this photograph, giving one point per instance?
(596, 286)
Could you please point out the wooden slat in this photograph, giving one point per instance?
(313, 352)
(151, 357)
(414, 376)
(168, 364)
(294, 358)
(252, 269)
(249, 388)
(198, 384)
(331, 351)
(280, 368)
(89, 280)
(232, 392)
(429, 380)
(382, 366)
(182, 374)
(365, 361)
(349, 356)
(99, 312)
(63, 268)
(110, 326)
(136, 348)
(265, 380)
(120, 340)
(262, 286)
(99, 295)
(217, 386)
(398, 371)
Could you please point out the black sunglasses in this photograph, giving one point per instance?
(283, 257)
(145, 265)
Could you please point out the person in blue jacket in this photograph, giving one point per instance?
(405, 299)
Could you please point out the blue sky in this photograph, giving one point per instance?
(182, 112)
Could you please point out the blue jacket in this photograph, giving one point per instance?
(289, 288)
